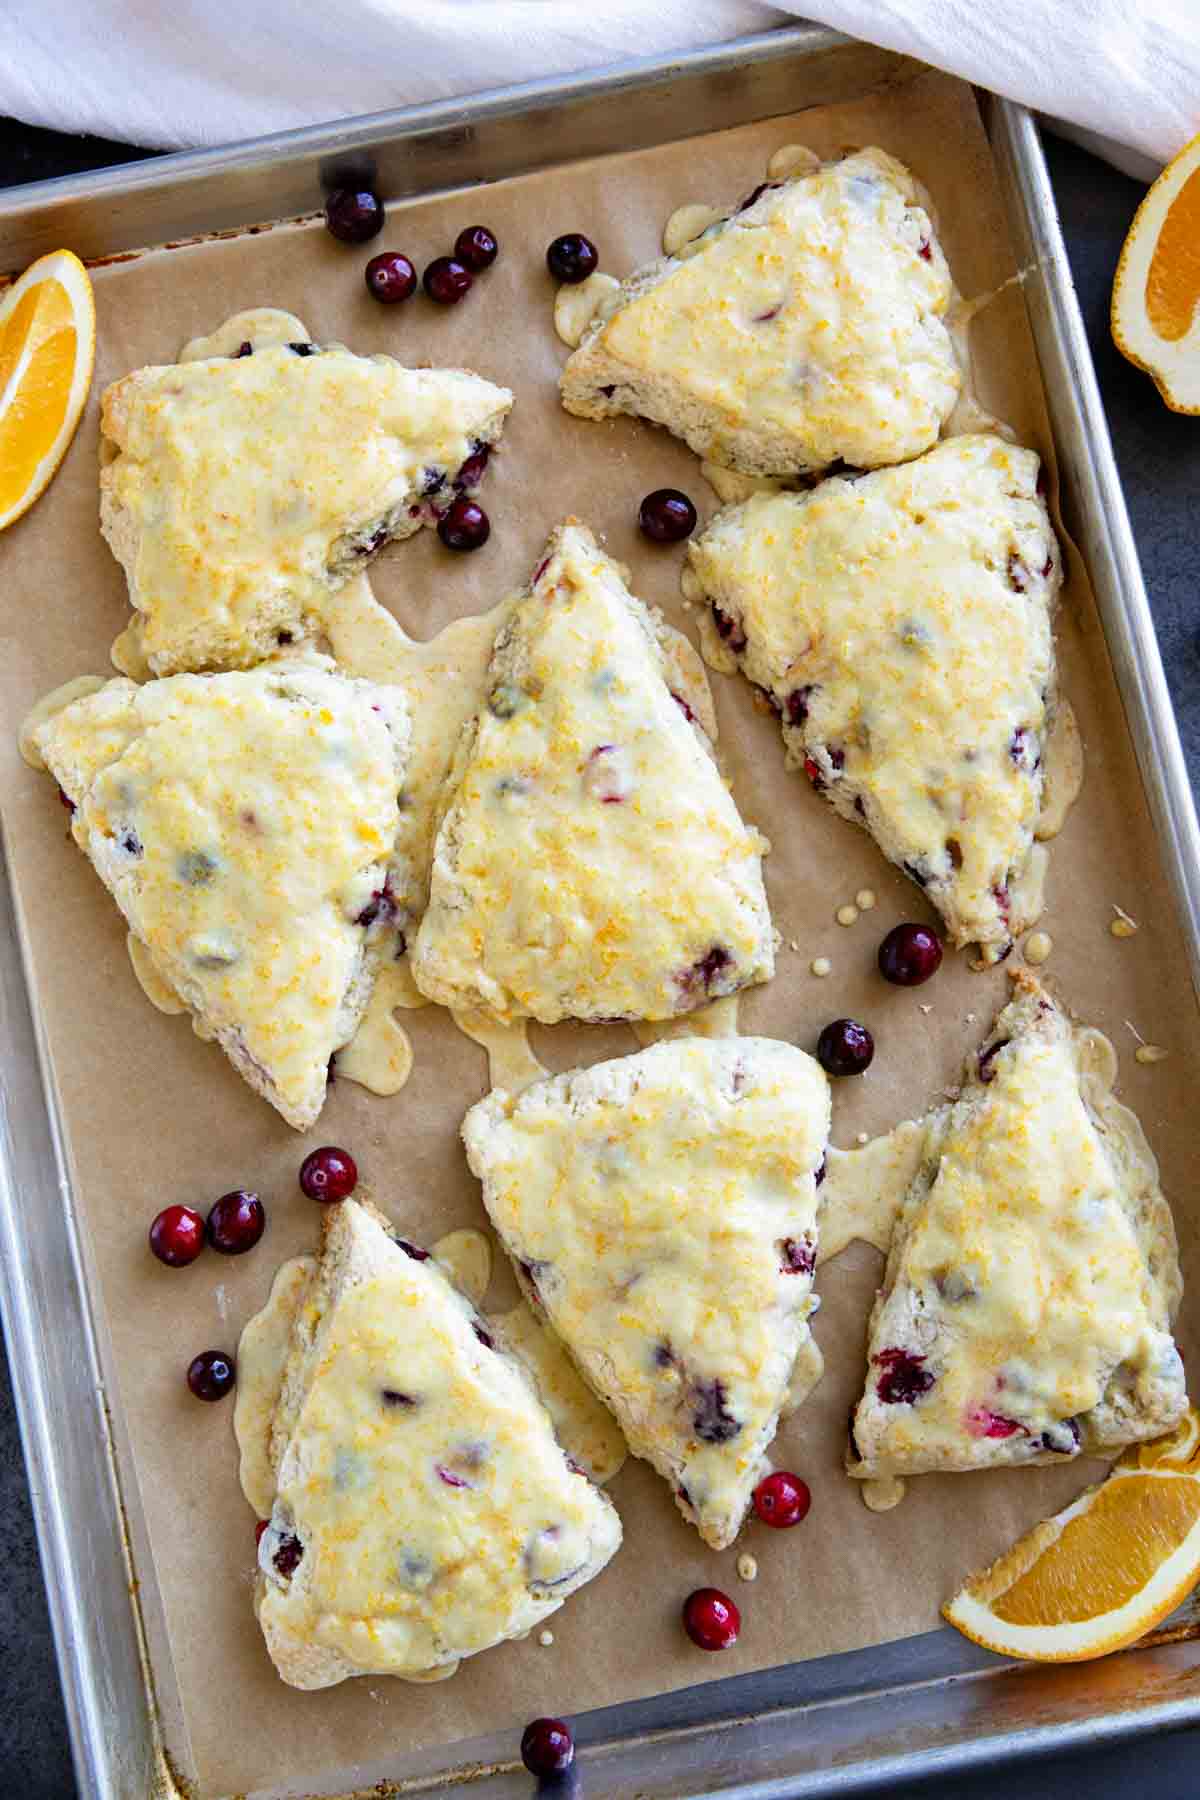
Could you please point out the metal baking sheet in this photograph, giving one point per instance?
(926, 1704)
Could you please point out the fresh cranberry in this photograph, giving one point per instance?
(572, 257)
(328, 1174)
(391, 277)
(547, 1747)
(447, 281)
(210, 1375)
(354, 214)
(177, 1236)
(903, 1377)
(782, 1499)
(711, 1619)
(909, 955)
(666, 516)
(476, 247)
(464, 525)
(845, 1048)
(236, 1222)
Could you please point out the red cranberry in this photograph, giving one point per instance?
(666, 516)
(845, 1048)
(354, 214)
(447, 281)
(781, 1499)
(391, 277)
(476, 247)
(547, 1747)
(464, 525)
(177, 1236)
(210, 1375)
(236, 1222)
(328, 1174)
(909, 955)
(711, 1619)
(571, 258)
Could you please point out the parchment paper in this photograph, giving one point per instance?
(155, 1116)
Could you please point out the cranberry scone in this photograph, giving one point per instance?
(423, 1509)
(1025, 1315)
(804, 328)
(246, 825)
(660, 1212)
(590, 862)
(900, 625)
(237, 491)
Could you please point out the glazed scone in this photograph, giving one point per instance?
(237, 491)
(423, 1509)
(246, 824)
(804, 328)
(900, 625)
(660, 1212)
(1025, 1315)
(590, 862)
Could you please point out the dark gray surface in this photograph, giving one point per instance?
(1159, 458)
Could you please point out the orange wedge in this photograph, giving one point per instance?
(1156, 291)
(47, 348)
(1103, 1572)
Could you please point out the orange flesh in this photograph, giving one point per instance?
(41, 327)
(1107, 1555)
(1173, 278)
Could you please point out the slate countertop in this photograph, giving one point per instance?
(1158, 453)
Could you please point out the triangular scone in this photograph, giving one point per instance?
(591, 863)
(1025, 1315)
(237, 491)
(661, 1209)
(245, 824)
(805, 327)
(900, 625)
(423, 1509)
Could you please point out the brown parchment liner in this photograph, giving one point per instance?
(153, 1115)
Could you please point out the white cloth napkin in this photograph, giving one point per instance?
(176, 73)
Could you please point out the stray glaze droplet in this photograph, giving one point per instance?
(156, 987)
(863, 1188)
(719, 1019)
(545, 1639)
(792, 159)
(821, 966)
(511, 1062)
(466, 1256)
(127, 655)
(1123, 926)
(1037, 947)
(258, 326)
(686, 224)
(577, 304)
(442, 1673)
(747, 1566)
(847, 915)
(864, 899)
(583, 1425)
(731, 486)
(1063, 771)
(261, 1357)
(47, 708)
(883, 1492)
(1150, 1053)
(379, 1056)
